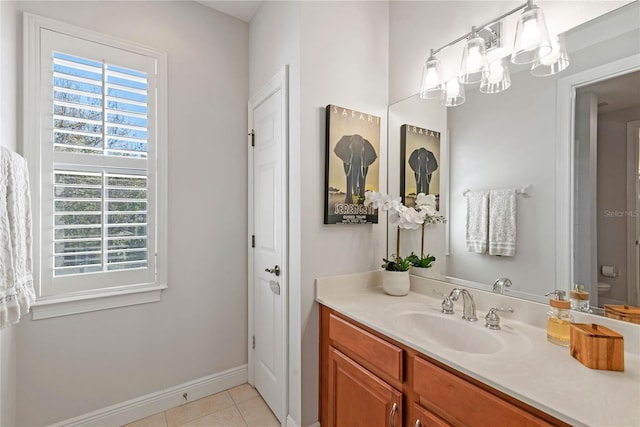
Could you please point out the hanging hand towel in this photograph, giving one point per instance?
(477, 221)
(16, 280)
(502, 222)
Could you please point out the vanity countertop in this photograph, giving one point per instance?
(538, 373)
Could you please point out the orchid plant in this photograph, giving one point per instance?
(407, 218)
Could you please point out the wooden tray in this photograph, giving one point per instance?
(625, 313)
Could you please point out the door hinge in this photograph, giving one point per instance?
(253, 342)
(253, 241)
(252, 134)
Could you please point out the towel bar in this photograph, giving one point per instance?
(524, 191)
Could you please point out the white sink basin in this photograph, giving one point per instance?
(451, 332)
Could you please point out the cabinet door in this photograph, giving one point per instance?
(358, 398)
(424, 418)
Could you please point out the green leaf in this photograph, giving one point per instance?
(417, 261)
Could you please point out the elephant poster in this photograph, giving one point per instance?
(352, 165)
(419, 163)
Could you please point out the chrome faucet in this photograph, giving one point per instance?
(469, 306)
(492, 320)
(500, 284)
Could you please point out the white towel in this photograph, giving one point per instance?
(502, 222)
(477, 221)
(16, 264)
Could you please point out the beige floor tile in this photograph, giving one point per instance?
(157, 420)
(229, 417)
(256, 413)
(197, 409)
(243, 392)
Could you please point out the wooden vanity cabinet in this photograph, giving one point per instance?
(363, 374)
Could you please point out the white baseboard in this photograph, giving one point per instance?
(292, 423)
(144, 406)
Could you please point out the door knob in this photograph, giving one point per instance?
(275, 270)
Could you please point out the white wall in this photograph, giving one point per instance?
(612, 196)
(8, 138)
(338, 52)
(71, 365)
(344, 61)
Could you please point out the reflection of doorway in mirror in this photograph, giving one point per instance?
(633, 191)
(611, 168)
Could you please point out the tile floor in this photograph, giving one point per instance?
(240, 406)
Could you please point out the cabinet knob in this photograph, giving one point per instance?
(392, 415)
(418, 424)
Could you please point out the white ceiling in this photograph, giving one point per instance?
(241, 9)
(618, 93)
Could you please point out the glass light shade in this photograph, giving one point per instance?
(453, 94)
(553, 63)
(474, 61)
(532, 41)
(498, 78)
(431, 85)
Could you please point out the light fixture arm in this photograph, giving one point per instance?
(528, 4)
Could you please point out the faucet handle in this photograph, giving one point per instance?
(492, 320)
(447, 305)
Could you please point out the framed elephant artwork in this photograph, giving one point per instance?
(419, 163)
(352, 165)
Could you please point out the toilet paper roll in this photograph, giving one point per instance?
(609, 271)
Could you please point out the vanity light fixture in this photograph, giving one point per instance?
(474, 65)
(532, 37)
(484, 63)
(499, 77)
(453, 94)
(553, 63)
(431, 84)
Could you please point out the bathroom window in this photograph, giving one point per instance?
(96, 129)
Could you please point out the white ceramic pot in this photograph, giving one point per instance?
(395, 283)
(424, 272)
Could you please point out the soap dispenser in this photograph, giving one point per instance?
(579, 298)
(559, 319)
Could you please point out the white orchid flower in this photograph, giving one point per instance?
(405, 218)
(395, 214)
(391, 203)
(411, 219)
(381, 201)
(426, 203)
(372, 198)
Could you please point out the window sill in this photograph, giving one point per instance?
(76, 304)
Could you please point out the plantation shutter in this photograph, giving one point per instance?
(102, 222)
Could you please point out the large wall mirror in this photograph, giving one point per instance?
(525, 137)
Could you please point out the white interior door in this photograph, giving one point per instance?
(268, 277)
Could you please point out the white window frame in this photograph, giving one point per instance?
(48, 303)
